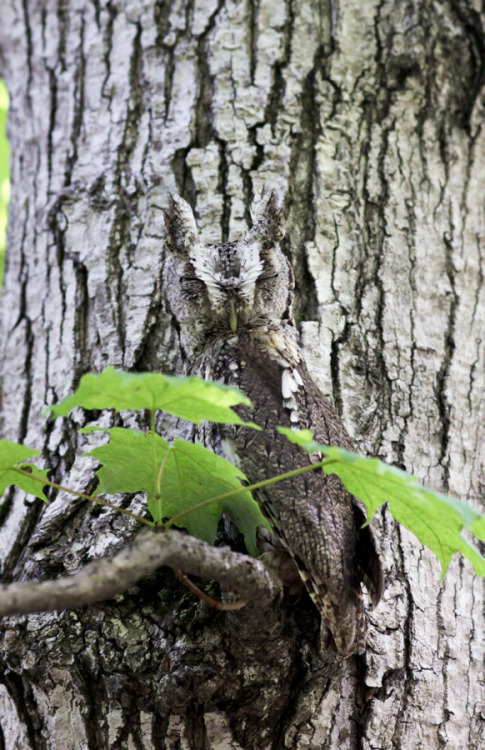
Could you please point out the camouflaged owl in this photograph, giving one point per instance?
(232, 305)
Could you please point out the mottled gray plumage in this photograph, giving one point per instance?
(231, 303)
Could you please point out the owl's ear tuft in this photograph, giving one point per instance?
(269, 221)
(180, 228)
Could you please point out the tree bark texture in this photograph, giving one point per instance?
(369, 119)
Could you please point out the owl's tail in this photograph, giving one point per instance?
(348, 628)
(343, 622)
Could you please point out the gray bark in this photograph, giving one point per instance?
(368, 117)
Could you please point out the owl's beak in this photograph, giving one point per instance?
(232, 314)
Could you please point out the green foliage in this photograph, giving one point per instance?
(191, 486)
(437, 520)
(15, 470)
(130, 462)
(176, 478)
(189, 398)
(193, 475)
(4, 173)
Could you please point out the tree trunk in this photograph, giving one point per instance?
(368, 117)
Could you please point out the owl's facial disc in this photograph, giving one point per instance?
(229, 271)
(223, 289)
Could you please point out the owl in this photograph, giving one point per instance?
(231, 303)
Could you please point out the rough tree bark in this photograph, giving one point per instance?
(369, 118)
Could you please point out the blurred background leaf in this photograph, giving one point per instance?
(4, 173)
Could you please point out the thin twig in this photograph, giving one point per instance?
(91, 498)
(205, 597)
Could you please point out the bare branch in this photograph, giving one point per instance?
(103, 579)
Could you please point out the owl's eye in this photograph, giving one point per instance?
(192, 284)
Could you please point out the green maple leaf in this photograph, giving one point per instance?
(15, 470)
(175, 478)
(436, 519)
(190, 398)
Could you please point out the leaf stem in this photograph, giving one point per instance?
(91, 499)
(154, 448)
(158, 483)
(249, 488)
(158, 487)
